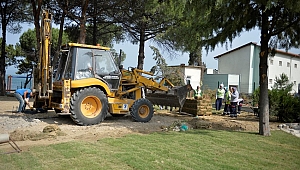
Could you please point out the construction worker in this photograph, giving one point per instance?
(227, 99)
(23, 96)
(233, 102)
(197, 93)
(220, 96)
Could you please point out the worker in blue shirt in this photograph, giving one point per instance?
(23, 96)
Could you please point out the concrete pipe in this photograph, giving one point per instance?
(4, 138)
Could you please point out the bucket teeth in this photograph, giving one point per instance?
(173, 98)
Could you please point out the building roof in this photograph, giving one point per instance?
(255, 44)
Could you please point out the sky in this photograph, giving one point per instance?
(132, 51)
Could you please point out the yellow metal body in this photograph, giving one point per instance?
(88, 46)
(138, 83)
(43, 83)
(118, 103)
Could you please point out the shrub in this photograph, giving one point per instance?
(281, 103)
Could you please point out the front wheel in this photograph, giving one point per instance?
(88, 106)
(142, 110)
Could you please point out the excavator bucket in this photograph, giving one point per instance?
(173, 98)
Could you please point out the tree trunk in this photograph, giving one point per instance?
(95, 24)
(195, 57)
(264, 128)
(192, 59)
(141, 56)
(28, 79)
(59, 42)
(36, 9)
(2, 59)
(82, 35)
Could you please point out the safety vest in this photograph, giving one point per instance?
(227, 97)
(198, 93)
(220, 93)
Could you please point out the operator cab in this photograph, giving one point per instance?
(79, 61)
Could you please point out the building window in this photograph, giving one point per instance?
(295, 65)
(270, 81)
(271, 62)
(280, 63)
(288, 64)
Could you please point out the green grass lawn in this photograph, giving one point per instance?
(194, 149)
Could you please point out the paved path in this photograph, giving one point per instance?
(293, 128)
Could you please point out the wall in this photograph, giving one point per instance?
(195, 74)
(212, 81)
(234, 80)
(275, 70)
(295, 73)
(254, 70)
(238, 62)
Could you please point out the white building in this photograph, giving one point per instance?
(244, 61)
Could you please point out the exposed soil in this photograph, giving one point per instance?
(31, 129)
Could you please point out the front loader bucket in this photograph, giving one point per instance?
(173, 98)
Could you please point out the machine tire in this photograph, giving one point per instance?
(142, 110)
(88, 106)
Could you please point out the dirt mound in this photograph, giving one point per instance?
(221, 125)
(50, 131)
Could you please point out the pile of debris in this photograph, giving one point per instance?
(176, 126)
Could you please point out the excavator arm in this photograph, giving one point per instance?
(43, 73)
(161, 93)
(135, 77)
(45, 59)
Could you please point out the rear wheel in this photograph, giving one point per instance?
(142, 110)
(88, 106)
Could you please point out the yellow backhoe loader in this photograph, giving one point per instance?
(88, 84)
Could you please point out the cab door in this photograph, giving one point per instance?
(106, 68)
